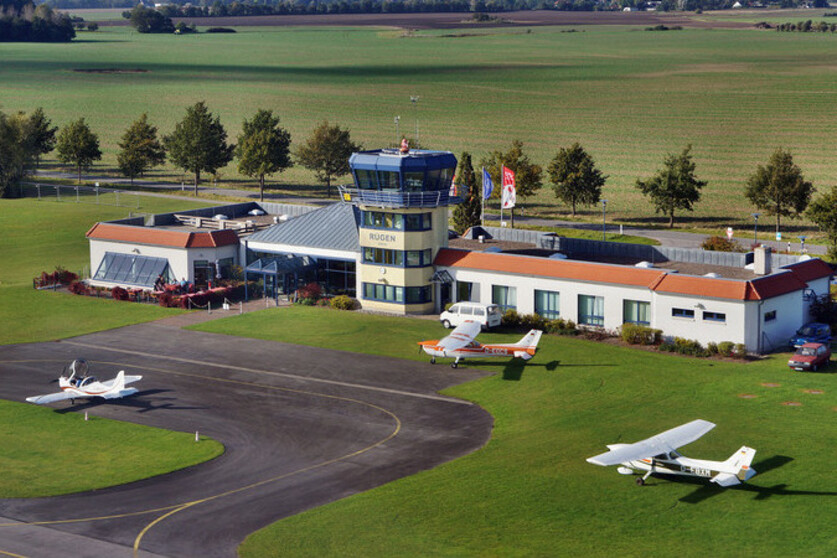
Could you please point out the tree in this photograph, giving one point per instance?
(327, 152)
(779, 188)
(43, 134)
(674, 186)
(823, 212)
(263, 147)
(140, 149)
(147, 20)
(575, 178)
(528, 176)
(467, 214)
(78, 145)
(199, 143)
(16, 150)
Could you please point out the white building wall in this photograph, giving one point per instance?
(734, 329)
(180, 260)
(791, 313)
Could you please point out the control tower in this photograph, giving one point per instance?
(403, 196)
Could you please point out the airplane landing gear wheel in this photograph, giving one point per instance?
(640, 481)
(454, 364)
(432, 360)
(446, 324)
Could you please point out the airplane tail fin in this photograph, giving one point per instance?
(740, 461)
(529, 344)
(119, 381)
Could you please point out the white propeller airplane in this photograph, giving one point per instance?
(77, 385)
(460, 345)
(657, 455)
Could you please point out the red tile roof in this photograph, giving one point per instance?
(656, 280)
(811, 269)
(545, 267)
(162, 237)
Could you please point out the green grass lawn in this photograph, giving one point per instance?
(43, 451)
(628, 96)
(530, 491)
(38, 236)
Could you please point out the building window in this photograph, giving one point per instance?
(770, 316)
(397, 258)
(714, 317)
(397, 295)
(388, 180)
(635, 312)
(413, 181)
(463, 291)
(547, 304)
(591, 310)
(336, 276)
(504, 297)
(366, 179)
(396, 221)
(683, 313)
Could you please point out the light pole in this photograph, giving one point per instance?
(755, 227)
(604, 220)
(802, 241)
(415, 99)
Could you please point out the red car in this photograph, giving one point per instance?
(810, 356)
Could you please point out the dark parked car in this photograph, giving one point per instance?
(810, 356)
(811, 333)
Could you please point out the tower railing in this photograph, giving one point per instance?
(381, 198)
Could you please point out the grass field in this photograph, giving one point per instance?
(627, 95)
(44, 451)
(530, 492)
(38, 236)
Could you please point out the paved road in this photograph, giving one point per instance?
(664, 237)
(302, 427)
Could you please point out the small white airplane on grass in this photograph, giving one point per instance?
(460, 345)
(76, 384)
(657, 455)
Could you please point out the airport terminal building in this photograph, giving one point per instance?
(386, 242)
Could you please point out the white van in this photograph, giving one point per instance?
(488, 315)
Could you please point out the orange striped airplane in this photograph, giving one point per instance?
(461, 344)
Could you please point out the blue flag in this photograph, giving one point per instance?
(487, 184)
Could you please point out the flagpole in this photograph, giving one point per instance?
(482, 200)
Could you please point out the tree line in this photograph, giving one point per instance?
(22, 21)
(197, 145)
(778, 188)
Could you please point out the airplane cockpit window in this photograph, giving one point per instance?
(473, 344)
(87, 381)
(661, 456)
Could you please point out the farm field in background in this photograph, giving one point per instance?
(529, 492)
(38, 236)
(629, 96)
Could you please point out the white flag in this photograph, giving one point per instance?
(509, 190)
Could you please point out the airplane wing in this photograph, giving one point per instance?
(465, 332)
(661, 443)
(51, 398)
(121, 393)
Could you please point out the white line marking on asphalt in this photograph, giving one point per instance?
(281, 374)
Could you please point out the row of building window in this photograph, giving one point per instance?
(590, 308)
(398, 258)
(398, 295)
(688, 313)
(396, 221)
(415, 181)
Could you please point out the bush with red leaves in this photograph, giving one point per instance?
(79, 288)
(118, 293)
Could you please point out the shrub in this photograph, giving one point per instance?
(596, 334)
(689, 347)
(312, 290)
(79, 288)
(343, 302)
(168, 300)
(740, 351)
(306, 301)
(220, 30)
(532, 321)
(511, 318)
(666, 347)
(712, 348)
(638, 334)
(721, 244)
(448, 305)
(118, 293)
(725, 348)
